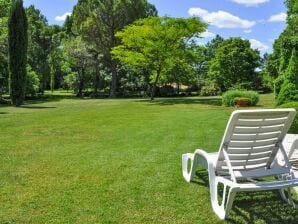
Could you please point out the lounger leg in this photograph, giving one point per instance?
(288, 197)
(222, 210)
(195, 158)
(188, 175)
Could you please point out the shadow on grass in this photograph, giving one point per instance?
(36, 107)
(40, 100)
(214, 101)
(48, 98)
(255, 207)
(2, 113)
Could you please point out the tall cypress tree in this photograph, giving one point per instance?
(17, 41)
(289, 88)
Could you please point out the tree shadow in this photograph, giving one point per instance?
(2, 113)
(255, 207)
(214, 101)
(48, 99)
(40, 100)
(36, 107)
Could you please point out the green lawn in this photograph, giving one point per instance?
(116, 161)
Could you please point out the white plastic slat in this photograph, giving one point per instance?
(250, 167)
(261, 172)
(248, 150)
(256, 129)
(260, 136)
(253, 143)
(261, 122)
(250, 156)
(270, 115)
(235, 163)
(271, 128)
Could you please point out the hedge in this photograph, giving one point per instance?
(228, 98)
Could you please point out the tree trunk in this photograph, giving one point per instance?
(114, 80)
(96, 81)
(178, 88)
(81, 84)
(153, 88)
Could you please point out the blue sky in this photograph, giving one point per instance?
(260, 21)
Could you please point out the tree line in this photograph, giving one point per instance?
(123, 48)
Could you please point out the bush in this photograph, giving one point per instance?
(288, 93)
(294, 127)
(210, 90)
(32, 82)
(228, 98)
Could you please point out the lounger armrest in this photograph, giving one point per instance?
(198, 157)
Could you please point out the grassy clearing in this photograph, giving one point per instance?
(116, 161)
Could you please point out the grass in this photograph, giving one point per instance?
(116, 161)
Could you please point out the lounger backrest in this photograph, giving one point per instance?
(252, 137)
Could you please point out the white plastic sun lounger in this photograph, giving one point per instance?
(247, 153)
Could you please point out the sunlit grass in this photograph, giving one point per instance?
(116, 161)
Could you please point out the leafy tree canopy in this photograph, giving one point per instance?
(235, 62)
(157, 43)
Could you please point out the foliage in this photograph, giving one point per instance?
(32, 82)
(279, 60)
(228, 98)
(18, 41)
(210, 89)
(70, 81)
(78, 57)
(98, 21)
(294, 127)
(289, 88)
(4, 71)
(234, 62)
(278, 84)
(156, 44)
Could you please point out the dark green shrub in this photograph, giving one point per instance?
(288, 93)
(229, 97)
(294, 127)
(210, 90)
(165, 91)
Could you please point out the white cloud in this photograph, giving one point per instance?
(281, 17)
(250, 2)
(255, 44)
(63, 17)
(207, 34)
(247, 31)
(221, 19)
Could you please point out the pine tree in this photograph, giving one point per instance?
(18, 41)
